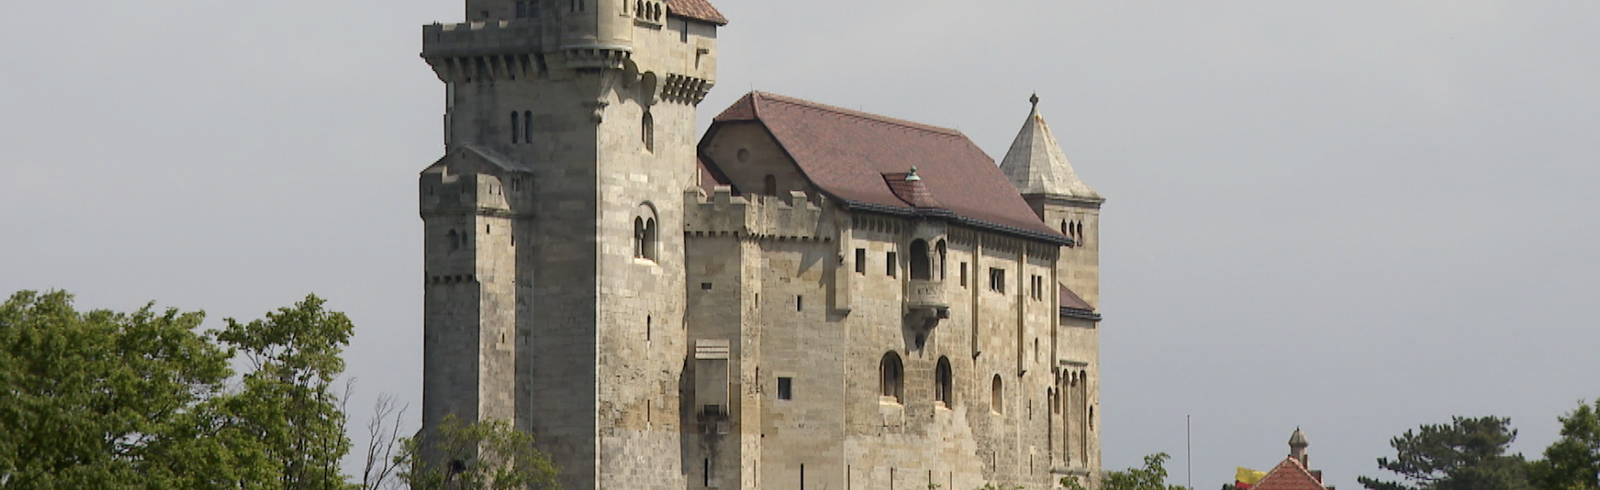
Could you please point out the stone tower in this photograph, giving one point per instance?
(1040, 171)
(554, 292)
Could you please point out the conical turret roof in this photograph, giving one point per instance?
(1036, 165)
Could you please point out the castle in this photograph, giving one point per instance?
(807, 297)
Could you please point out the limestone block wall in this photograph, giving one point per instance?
(817, 386)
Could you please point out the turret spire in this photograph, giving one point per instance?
(1036, 164)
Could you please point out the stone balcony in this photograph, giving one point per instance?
(926, 295)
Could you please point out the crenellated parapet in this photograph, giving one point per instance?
(483, 51)
(722, 213)
(482, 194)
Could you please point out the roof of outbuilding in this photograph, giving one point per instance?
(1289, 475)
(860, 158)
(697, 10)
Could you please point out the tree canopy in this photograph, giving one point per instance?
(1573, 461)
(1466, 454)
(101, 399)
(1153, 476)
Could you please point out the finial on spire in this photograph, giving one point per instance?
(1034, 100)
(913, 177)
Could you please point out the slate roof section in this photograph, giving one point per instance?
(1073, 306)
(1289, 475)
(711, 177)
(851, 156)
(1070, 299)
(1036, 165)
(697, 10)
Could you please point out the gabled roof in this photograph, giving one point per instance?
(697, 10)
(1036, 165)
(1289, 475)
(859, 157)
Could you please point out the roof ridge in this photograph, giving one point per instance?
(1299, 469)
(857, 114)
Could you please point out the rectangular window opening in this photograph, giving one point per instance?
(890, 266)
(997, 279)
(785, 388)
(963, 274)
(799, 303)
(861, 261)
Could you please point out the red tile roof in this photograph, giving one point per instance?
(1289, 475)
(853, 156)
(711, 177)
(697, 10)
(1071, 300)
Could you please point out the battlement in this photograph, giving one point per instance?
(723, 213)
(502, 36)
(443, 193)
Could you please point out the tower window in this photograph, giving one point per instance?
(522, 9)
(890, 264)
(772, 185)
(516, 126)
(996, 395)
(943, 383)
(785, 388)
(527, 126)
(644, 238)
(890, 377)
(647, 131)
(943, 252)
(963, 273)
(861, 261)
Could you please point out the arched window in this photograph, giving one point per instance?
(647, 131)
(920, 265)
(650, 242)
(772, 185)
(890, 377)
(996, 396)
(527, 126)
(944, 384)
(638, 237)
(644, 238)
(516, 126)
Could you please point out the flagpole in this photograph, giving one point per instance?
(1188, 449)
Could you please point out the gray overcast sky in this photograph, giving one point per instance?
(1354, 217)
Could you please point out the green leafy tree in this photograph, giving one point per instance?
(101, 399)
(287, 400)
(1153, 476)
(484, 455)
(1573, 461)
(1466, 454)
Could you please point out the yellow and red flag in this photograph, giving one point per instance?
(1246, 478)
